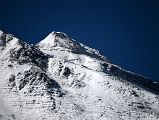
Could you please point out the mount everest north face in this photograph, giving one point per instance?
(62, 79)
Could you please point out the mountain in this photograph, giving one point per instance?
(62, 79)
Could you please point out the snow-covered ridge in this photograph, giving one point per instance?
(60, 78)
(61, 42)
(61, 45)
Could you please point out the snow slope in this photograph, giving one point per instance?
(61, 79)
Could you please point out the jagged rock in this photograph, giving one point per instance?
(60, 79)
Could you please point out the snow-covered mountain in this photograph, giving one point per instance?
(62, 79)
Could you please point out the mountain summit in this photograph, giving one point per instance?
(57, 39)
(62, 79)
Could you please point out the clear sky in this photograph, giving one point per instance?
(126, 31)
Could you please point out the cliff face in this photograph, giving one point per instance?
(59, 78)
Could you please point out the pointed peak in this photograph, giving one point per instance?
(6, 36)
(57, 39)
(61, 35)
(1, 32)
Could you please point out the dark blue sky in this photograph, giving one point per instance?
(126, 31)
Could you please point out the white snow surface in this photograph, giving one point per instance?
(1, 32)
(85, 92)
(1, 42)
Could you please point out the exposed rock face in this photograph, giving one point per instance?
(61, 79)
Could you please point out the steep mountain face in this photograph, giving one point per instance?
(61, 79)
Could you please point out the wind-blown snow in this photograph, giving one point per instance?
(61, 79)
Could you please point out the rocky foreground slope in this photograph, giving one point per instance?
(62, 79)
